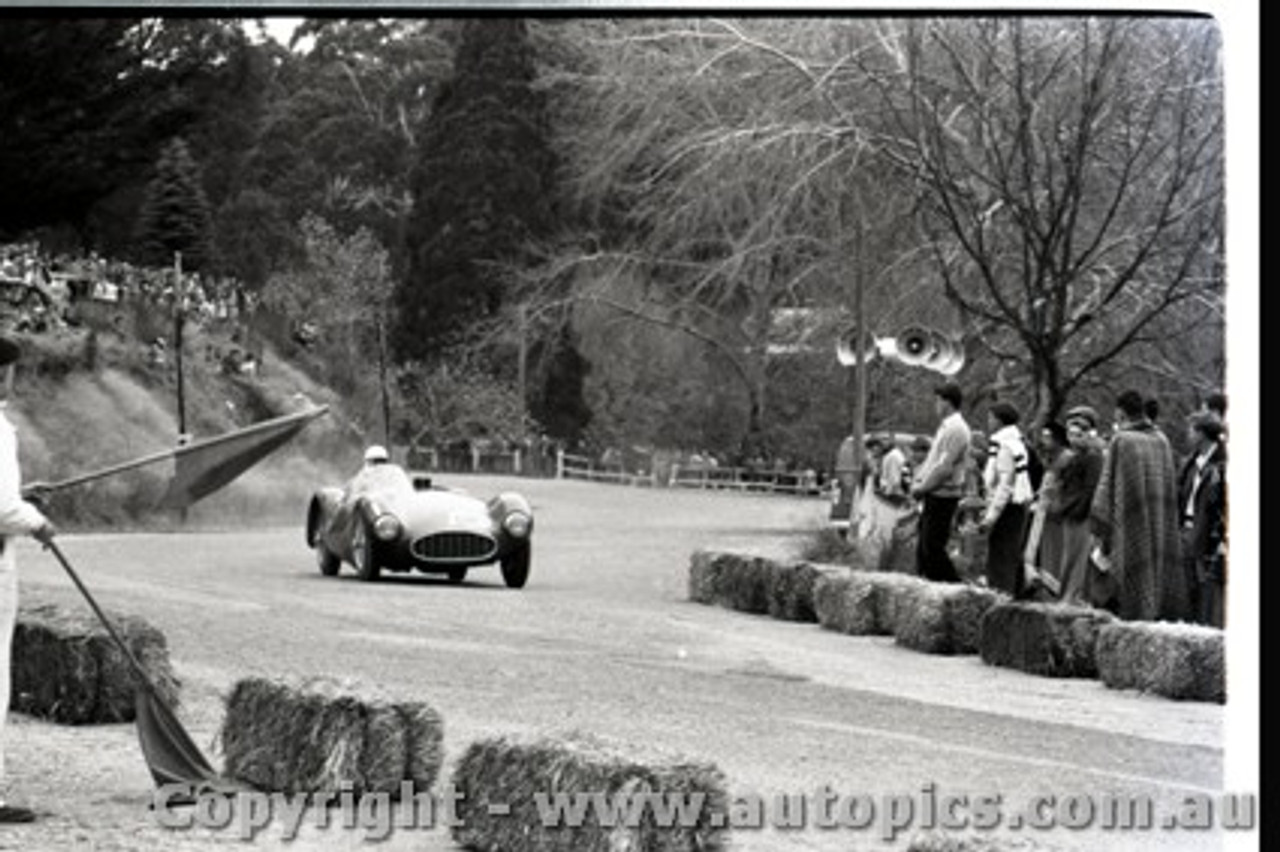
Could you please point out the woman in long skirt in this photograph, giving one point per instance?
(1076, 483)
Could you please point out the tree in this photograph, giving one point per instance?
(458, 399)
(339, 133)
(82, 137)
(1051, 185)
(343, 291)
(715, 170)
(175, 213)
(482, 190)
(559, 405)
(1070, 177)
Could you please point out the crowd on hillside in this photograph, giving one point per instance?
(1081, 510)
(42, 291)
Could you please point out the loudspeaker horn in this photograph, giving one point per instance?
(914, 344)
(952, 361)
(874, 347)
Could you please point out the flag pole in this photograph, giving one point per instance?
(263, 426)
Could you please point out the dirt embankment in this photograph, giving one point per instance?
(83, 405)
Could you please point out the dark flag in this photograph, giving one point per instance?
(202, 467)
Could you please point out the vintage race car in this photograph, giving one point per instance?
(387, 518)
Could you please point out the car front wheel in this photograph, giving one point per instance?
(456, 575)
(515, 568)
(328, 562)
(363, 553)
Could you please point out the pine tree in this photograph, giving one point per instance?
(175, 215)
(483, 188)
(559, 404)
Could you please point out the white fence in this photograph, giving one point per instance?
(670, 475)
(569, 466)
(719, 478)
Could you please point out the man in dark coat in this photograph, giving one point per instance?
(1135, 518)
(1202, 499)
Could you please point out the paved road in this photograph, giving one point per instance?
(604, 641)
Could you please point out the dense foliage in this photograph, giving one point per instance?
(597, 222)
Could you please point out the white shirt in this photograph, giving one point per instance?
(1006, 474)
(17, 516)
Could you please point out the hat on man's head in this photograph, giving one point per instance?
(1208, 424)
(10, 351)
(1084, 416)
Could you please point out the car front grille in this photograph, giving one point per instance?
(454, 547)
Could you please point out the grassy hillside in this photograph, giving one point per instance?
(86, 402)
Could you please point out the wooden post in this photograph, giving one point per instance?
(522, 367)
(860, 377)
(179, 320)
(382, 380)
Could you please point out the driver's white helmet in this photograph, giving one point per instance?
(376, 454)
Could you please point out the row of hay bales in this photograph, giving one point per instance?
(1179, 661)
(67, 669)
(322, 736)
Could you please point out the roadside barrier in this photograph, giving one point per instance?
(1181, 661)
(67, 669)
(321, 735)
(1047, 639)
(502, 787)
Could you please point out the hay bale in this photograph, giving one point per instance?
(500, 780)
(319, 735)
(1183, 661)
(790, 589)
(731, 580)
(861, 603)
(942, 618)
(1049, 639)
(66, 668)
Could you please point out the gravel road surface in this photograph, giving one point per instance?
(604, 641)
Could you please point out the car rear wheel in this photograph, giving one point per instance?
(363, 553)
(328, 562)
(456, 575)
(515, 568)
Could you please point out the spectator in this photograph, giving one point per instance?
(1044, 539)
(1203, 501)
(940, 484)
(17, 517)
(1078, 479)
(1216, 403)
(1135, 519)
(1008, 486)
(918, 451)
(894, 482)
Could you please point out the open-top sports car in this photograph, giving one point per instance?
(386, 518)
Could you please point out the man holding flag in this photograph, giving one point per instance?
(17, 517)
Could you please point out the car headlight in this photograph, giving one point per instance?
(517, 524)
(387, 527)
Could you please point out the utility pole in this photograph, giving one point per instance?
(179, 319)
(382, 381)
(860, 371)
(522, 368)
